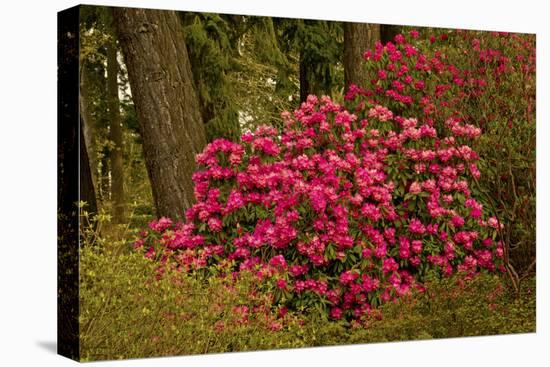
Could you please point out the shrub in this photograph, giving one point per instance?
(506, 111)
(486, 79)
(340, 213)
(127, 314)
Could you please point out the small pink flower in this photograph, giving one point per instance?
(278, 261)
(281, 283)
(416, 227)
(160, 225)
(419, 85)
(415, 188)
(150, 253)
(275, 326)
(399, 39)
(457, 221)
(494, 223)
(215, 224)
(416, 246)
(389, 265)
(336, 313)
(348, 277)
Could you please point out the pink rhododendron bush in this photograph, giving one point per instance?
(341, 211)
(486, 79)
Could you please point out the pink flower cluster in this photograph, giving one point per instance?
(341, 210)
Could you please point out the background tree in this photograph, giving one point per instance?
(93, 93)
(166, 103)
(318, 44)
(358, 37)
(96, 102)
(211, 51)
(88, 123)
(87, 191)
(265, 77)
(97, 36)
(115, 129)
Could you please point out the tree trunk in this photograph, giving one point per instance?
(166, 103)
(87, 192)
(305, 86)
(103, 184)
(388, 32)
(312, 79)
(88, 120)
(115, 129)
(358, 37)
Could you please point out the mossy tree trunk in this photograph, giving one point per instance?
(166, 102)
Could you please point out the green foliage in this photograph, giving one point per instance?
(266, 77)
(319, 46)
(125, 313)
(457, 308)
(210, 51)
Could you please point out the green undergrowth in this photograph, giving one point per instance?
(127, 312)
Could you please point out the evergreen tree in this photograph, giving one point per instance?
(210, 51)
(318, 45)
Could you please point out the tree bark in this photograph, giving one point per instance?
(311, 79)
(88, 120)
(166, 103)
(358, 37)
(87, 192)
(115, 130)
(305, 85)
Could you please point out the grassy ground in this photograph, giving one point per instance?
(127, 314)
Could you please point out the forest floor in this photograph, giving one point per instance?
(126, 314)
